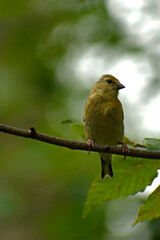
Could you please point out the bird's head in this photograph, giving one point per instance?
(108, 85)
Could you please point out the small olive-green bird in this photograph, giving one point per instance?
(103, 118)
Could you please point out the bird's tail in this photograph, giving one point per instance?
(106, 162)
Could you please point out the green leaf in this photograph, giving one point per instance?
(66, 121)
(78, 129)
(127, 141)
(151, 208)
(152, 143)
(130, 142)
(130, 176)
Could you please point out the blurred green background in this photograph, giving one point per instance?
(51, 53)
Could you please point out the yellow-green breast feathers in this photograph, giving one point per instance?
(103, 117)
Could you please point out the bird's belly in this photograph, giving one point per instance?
(104, 131)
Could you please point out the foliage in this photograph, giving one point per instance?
(131, 176)
(152, 143)
(151, 208)
(78, 129)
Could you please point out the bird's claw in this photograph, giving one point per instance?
(90, 143)
(124, 149)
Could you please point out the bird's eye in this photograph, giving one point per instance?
(109, 81)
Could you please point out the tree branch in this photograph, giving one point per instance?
(74, 145)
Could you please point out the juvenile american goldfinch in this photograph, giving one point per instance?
(103, 118)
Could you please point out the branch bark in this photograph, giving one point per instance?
(74, 145)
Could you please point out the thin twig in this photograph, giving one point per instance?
(74, 145)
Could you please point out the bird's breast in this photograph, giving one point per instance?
(104, 122)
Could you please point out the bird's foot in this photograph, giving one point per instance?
(90, 143)
(124, 149)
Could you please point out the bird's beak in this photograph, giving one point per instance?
(119, 86)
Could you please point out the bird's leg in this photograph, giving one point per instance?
(124, 149)
(90, 143)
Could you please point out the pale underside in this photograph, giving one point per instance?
(104, 122)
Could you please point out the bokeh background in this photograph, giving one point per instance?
(51, 54)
